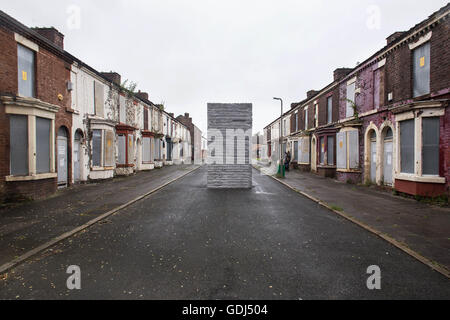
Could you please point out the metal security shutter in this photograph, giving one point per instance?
(97, 148)
(109, 148)
(18, 138)
(376, 88)
(421, 70)
(146, 150)
(407, 146)
(353, 146)
(430, 146)
(341, 151)
(122, 149)
(43, 145)
(330, 151)
(99, 99)
(26, 67)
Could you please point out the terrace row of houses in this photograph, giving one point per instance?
(62, 122)
(386, 121)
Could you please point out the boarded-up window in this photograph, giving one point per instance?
(341, 150)
(121, 142)
(322, 151)
(350, 99)
(330, 110)
(146, 150)
(304, 150)
(43, 127)
(109, 148)
(18, 138)
(26, 69)
(330, 151)
(353, 149)
(407, 146)
(145, 118)
(99, 99)
(122, 110)
(130, 149)
(430, 146)
(377, 88)
(421, 70)
(157, 149)
(97, 148)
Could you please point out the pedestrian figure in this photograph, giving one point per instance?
(287, 160)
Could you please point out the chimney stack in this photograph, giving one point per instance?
(112, 76)
(142, 95)
(394, 36)
(56, 37)
(311, 93)
(340, 73)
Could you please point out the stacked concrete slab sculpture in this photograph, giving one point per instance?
(229, 145)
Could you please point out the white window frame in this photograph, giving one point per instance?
(348, 105)
(348, 146)
(417, 115)
(32, 108)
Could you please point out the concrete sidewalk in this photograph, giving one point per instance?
(29, 225)
(423, 228)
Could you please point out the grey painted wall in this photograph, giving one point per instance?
(229, 145)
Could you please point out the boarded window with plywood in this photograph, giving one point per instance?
(18, 137)
(109, 148)
(99, 99)
(421, 70)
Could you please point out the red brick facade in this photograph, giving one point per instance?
(52, 72)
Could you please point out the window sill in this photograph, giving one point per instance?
(415, 178)
(40, 176)
(349, 170)
(102, 168)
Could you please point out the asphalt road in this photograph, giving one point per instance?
(188, 242)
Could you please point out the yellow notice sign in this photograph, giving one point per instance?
(24, 75)
(422, 62)
(341, 144)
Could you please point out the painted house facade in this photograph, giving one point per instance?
(386, 121)
(63, 122)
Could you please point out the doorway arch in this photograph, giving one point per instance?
(387, 153)
(371, 157)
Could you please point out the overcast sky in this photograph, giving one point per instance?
(189, 53)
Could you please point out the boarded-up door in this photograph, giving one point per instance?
(373, 161)
(76, 158)
(62, 156)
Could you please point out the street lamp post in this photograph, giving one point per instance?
(280, 166)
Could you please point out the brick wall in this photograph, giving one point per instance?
(52, 74)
